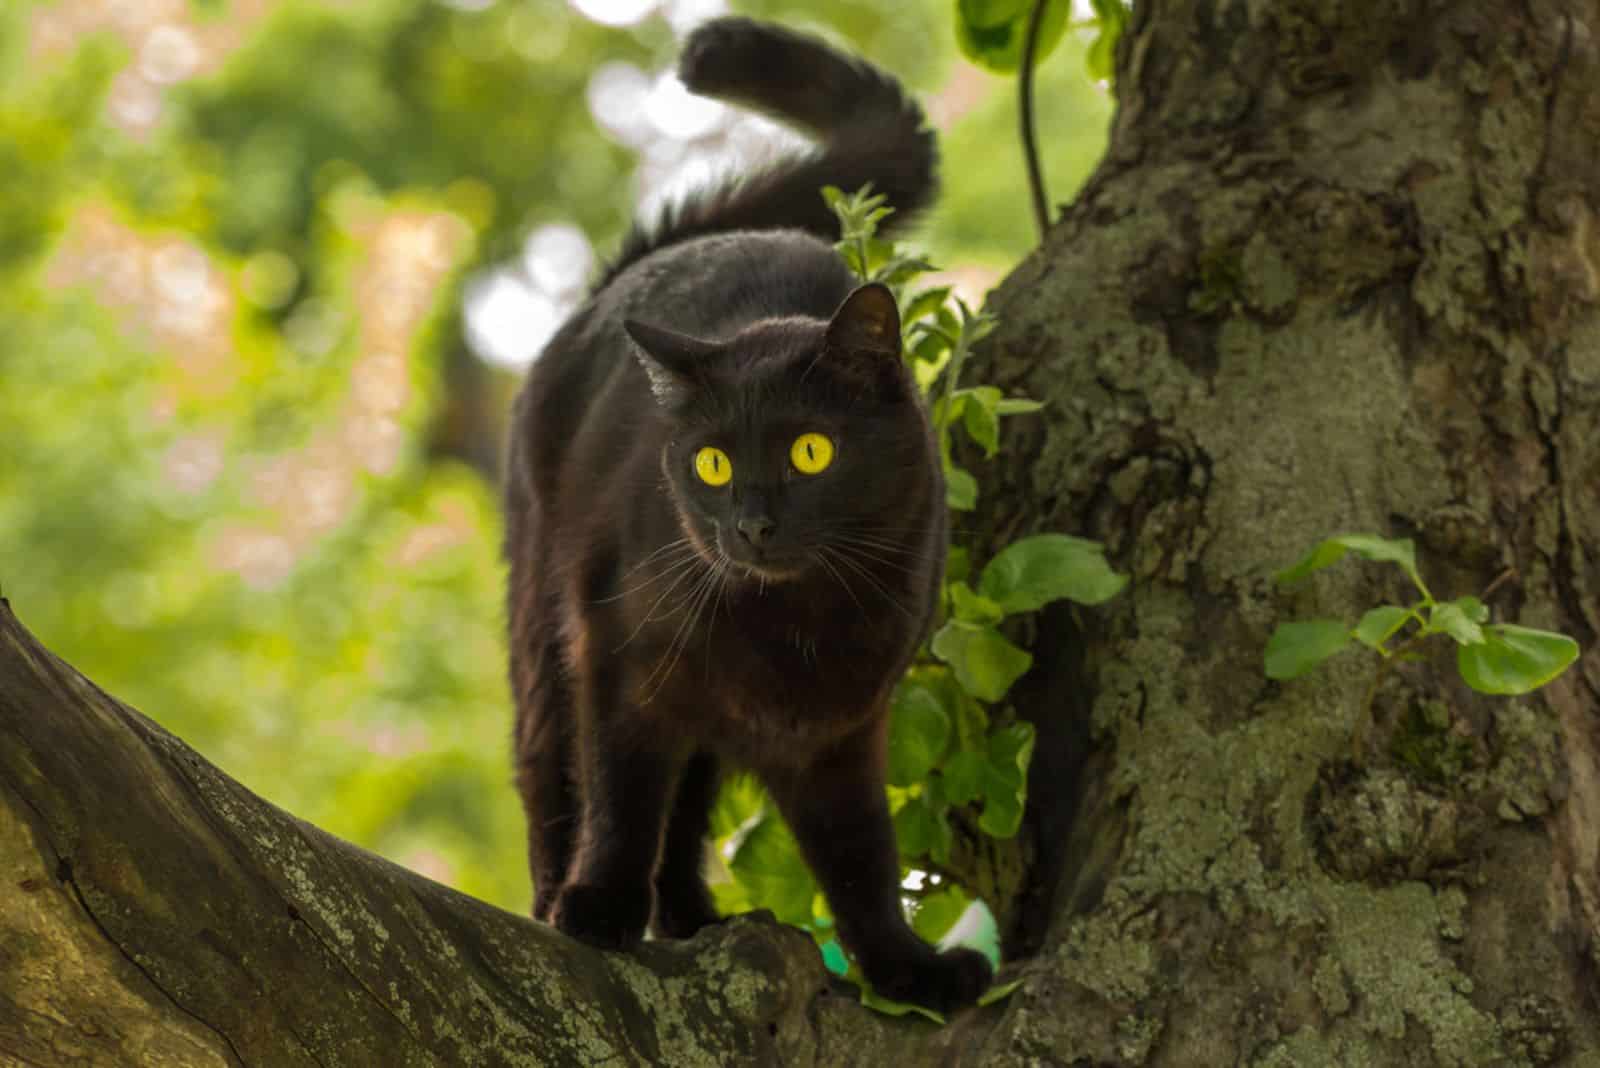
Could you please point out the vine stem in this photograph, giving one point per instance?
(1030, 146)
(1364, 720)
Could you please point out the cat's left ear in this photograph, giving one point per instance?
(863, 336)
(675, 362)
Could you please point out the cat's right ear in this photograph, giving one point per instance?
(676, 363)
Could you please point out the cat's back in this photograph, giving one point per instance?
(713, 286)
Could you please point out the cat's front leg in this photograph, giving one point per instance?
(840, 816)
(626, 777)
(683, 902)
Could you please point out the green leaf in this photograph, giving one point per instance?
(985, 663)
(913, 828)
(1005, 780)
(1296, 648)
(931, 352)
(1002, 814)
(919, 732)
(1394, 551)
(979, 417)
(960, 488)
(1514, 660)
(963, 777)
(990, 32)
(899, 270)
(999, 992)
(958, 564)
(1369, 546)
(924, 303)
(972, 607)
(1101, 59)
(921, 828)
(1323, 554)
(1011, 748)
(896, 1008)
(1473, 609)
(1111, 17)
(934, 915)
(1017, 406)
(740, 800)
(1031, 573)
(833, 957)
(769, 865)
(1380, 624)
(1451, 618)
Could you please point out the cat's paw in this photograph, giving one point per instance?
(943, 982)
(601, 915)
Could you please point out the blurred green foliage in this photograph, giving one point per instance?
(228, 349)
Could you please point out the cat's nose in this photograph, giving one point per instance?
(757, 530)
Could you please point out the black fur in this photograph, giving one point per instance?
(662, 626)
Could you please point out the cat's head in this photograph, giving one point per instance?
(798, 446)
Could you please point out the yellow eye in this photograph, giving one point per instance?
(713, 466)
(811, 453)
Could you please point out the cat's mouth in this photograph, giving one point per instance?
(761, 564)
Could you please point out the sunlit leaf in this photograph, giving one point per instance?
(919, 732)
(1452, 618)
(1017, 406)
(1030, 573)
(991, 32)
(985, 663)
(1110, 18)
(1000, 991)
(896, 1008)
(960, 488)
(1379, 624)
(1514, 659)
(924, 303)
(769, 864)
(934, 915)
(970, 607)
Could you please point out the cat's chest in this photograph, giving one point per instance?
(762, 689)
(755, 658)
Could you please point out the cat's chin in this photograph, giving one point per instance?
(767, 573)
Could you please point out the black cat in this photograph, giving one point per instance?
(726, 531)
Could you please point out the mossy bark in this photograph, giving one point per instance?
(1340, 271)
(1337, 273)
(154, 912)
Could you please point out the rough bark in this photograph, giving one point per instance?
(154, 912)
(1338, 273)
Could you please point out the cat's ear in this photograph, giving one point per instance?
(864, 334)
(675, 362)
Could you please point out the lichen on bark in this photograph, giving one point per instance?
(1311, 312)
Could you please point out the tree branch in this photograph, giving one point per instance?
(155, 911)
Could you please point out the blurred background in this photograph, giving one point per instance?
(269, 270)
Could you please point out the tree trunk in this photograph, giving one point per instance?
(1338, 272)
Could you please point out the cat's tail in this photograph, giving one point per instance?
(867, 128)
